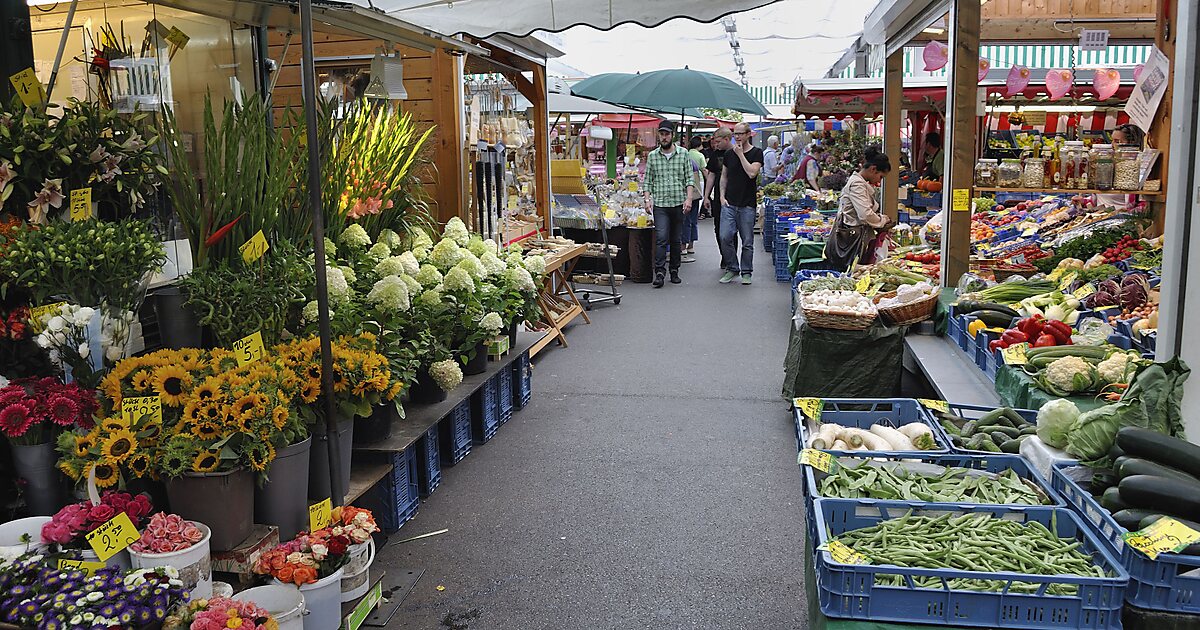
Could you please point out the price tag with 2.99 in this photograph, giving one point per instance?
(113, 536)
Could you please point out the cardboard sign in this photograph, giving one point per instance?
(320, 515)
(961, 201)
(863, 283)
(86, 566)
(249, 349)
(38, 312)
(1084, 291)
(1015, 354)
(112, 537)
(28, 87)
(936, 405)
(843, 554)
(81, 204)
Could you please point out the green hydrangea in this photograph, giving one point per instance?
(429, 276)
(457, 231)
(379, 251)
(492, 323)
(391, 239)
(355, 237)
(458, 280)
(445, 254)
(414, 287)
(389, 267)
(390, 293)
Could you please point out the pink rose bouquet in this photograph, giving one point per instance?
(221, 613)
(166, 533)
(71, 524)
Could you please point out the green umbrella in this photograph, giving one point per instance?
(679, 91)
(613, 87)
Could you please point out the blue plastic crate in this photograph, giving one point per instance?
(1154, 584)
(522, 381)
(455, 434)
(861, 413)
(394, 500)
(504, 394)
(972, 412)
(485, 419)
(849, 591)
(781, 271)
(430, 465)
(956, 332)
(919, 199)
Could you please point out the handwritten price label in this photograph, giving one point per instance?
(810, 407)
(113, 536)
(86, 566)
(843, 554)
(136, 408)
(81, 204)
(1015, 354)
(28, 87)
(632, 187)
(1067, 279)
(249, 349)
(254, 248)
(320, 514)
(1084, 291)
(961, 200)
(1166, 535)
(863, 283)
(37, 313)
(936, 405)
(177, 37)
(819, 460)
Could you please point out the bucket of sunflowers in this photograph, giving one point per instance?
(313, 563)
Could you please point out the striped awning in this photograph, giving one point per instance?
(1047, 56)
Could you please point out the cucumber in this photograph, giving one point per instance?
(1160, 493)
(1011, 446)
(1164, 449)
(1111, 500)
(1017, 420)
(1132, 518)
(994, 319)
(1029, 430)
(950, 427)
(1128, 465)
(1103, 480)
(968, 429)
(1011, 432)
(973, 307)
(999, 437)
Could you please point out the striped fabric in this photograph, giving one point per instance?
(1049, 56)
(1058, 122)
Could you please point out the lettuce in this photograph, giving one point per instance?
(1054, 421)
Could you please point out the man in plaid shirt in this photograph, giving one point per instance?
(669, 190)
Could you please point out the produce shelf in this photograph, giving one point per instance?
(1073, 191)
(972, 412)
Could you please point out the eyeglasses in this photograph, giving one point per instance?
(741, 133)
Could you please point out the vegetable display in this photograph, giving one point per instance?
(972, 542)
(907, 481)
(914, 436)
(998, 431)
(839, 303)
(1013, 291)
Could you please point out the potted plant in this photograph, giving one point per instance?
(313, 563)
(170, 541)
(68, 528)
(32, 412)
(39, 594)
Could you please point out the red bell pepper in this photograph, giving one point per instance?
(1031, 326)
(1060, 331)
(1012, 336)
(1045, 340)
(996, 344)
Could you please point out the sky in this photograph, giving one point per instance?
(780, 42)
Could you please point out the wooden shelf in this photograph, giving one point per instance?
(364, 476)
(1072, 191)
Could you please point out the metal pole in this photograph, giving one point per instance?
(62, 44)
(308, 79)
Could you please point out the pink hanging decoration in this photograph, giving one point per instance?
(1106, 82)
(936, 56)
(1018, 78)
(1137, 71)
(1059, 83)
(984, 66)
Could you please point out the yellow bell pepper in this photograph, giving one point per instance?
(975, 326)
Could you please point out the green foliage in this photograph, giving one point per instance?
(722, 113)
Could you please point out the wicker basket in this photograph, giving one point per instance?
(906, 314)
(821, 319)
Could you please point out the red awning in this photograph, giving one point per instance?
(624, 121)
(825, 98)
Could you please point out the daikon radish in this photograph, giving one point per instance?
(898, 441)
(839, 445)
(870, 440)
(825, 436)
(920, 435)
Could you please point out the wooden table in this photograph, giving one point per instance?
(557, 299)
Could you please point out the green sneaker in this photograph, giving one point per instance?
(728, 277)
(745, 278)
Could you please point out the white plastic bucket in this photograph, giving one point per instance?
(322, 601)
(12, 532)
(356, 575)
(283, 601)
(194, 564)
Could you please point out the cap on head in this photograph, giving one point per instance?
(666, 125)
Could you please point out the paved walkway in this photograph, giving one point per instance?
(651, 483)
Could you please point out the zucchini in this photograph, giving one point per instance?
(1111, 500)
(1128, 465)
(1164, 449)
(1030, 429)
(950, 427)
(1086, 352)
(1115, 452)
(1103, 480)
(966, 306)
(994, 319)
(1132, 518)
(1160, 493)
(1011, 446)
(996, 307)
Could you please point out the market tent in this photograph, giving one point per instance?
(484, 18)
(568, 104)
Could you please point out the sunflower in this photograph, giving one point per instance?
(206, 461)
(395, 390)
(106, 474)
(309, 393)
(119, 445)
(83, 444)
(339, 381)
(172, 383)
(142, 381)
(191, 359)
(206, 430)
(114, 423)
(260, 455)
(279, 417)
(244, 407)
(212, 413)
(68, 468)
(139, 465)
(173, 463)
(207, 390)
(191, 410)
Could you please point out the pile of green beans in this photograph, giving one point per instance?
(951, 486)
(971, 542)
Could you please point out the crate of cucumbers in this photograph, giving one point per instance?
(978, 429)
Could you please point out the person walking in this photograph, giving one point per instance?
(691, 231)
(739, 203)
(668, 189)
(720, 143)
(858, 222)
(809, 170)
(772, 160)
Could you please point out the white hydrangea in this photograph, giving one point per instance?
(339, 289)
(514, 260)
(421, 254)
(410, 262)
(379, 251)
(355, 237)
(491, 245)
(351, 277)
(514, 248)
(445, 254)
(420, 239)
(446, 374)
(492, 323)
(519, 277)
(414, 287)
(390, 293)
(330, 248)
(492, 264)
(391, 239)
(431, 298)
(457, 279)
(476, 246)
(309, 313)
(429, 276)
(471, 265)
(389, 267)
(536, 265)
(457, 230)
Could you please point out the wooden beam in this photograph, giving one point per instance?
(535, 92)
(1160, 132)
(449, 140)
(893, 98)
(960, 125)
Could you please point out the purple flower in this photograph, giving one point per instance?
(29, 607)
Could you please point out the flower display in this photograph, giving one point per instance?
(470, 263)
(305, 559)
(458, 280)
(165, 533)
(220, 613)
(428, 276)
(456, 231)
(32, 410)
(379, 251)
(492, 264)
(492, 323)
(410, 263)
(446, 374)
(69, 525)
(390, 293)
(391, 239)
(37, 594)
(339, 287)
(392, 266)
(445, 254)
(356, 524)
(536, 265)
(354, 236)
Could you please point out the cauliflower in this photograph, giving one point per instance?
(1117, 368)
(1068, 375)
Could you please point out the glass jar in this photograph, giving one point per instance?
(1047, 168)
(985, 173)
(1034, 173)
(1074, 165)
(1127, 169)
(1054, 172)
(1101, 163)
(1008, 175)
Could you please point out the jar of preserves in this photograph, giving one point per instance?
(1054, 170)
(1034, 172)
(1074, 159)
(1127, 168)
(1048, 164)
(1008, 175)
(985, 173)
(1101, 165)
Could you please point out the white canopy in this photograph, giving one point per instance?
(485, 18)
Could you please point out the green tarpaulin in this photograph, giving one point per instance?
(826, 363)
(1017, 390)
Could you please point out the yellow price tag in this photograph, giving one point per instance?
(38, 312)
(113, 536)
(1015, 354)
(630, 153)
(1067, 279)
(1084, 291)
(249, 349)
(961, 201)
(843, 554)
(81, 204)
(28, 87)
(632, 186)
(936, 405)
(820, 460)
(863, 283)
(135, 408)
(320, 515)
(513, 202)
(810, 407)
(254, 248)
(86, 566)
(1166, 535)
(178, 37)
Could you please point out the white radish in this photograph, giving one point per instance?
(839, 445)
(920, 435)
(870, 440)
(898, 441)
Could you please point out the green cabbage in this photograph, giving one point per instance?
(1054, 421)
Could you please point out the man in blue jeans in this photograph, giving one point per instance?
(739, 204)
(669, 189)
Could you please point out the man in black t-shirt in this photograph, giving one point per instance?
(739, 204)
(720, 143)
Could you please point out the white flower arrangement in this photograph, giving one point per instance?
(390, 293)
(414, 287)
(390, 267)
(457, 279)
(429, 276)
(445, 254)
(339, 288)
(410, 262)
(379, 251)
(535, 264)
(457, 231)
(492, 323)
(446, 374)
(355, 237)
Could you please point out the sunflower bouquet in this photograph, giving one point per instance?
(361, 375)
